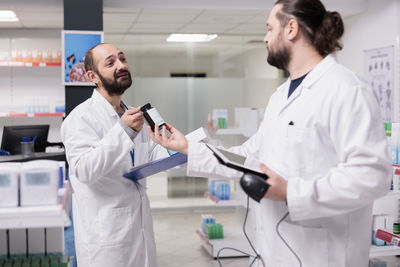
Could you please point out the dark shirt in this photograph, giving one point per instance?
(295, 83)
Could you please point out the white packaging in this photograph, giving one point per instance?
(36, 241)
(55, 240)
(247, 119)
(383, 221)
(9, 175)
(396, 182)
(201, 134)
(394, 140)
(378, 222)
(17, 241)
(39, 182)
(3, 242)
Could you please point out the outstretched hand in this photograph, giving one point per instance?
(176, 141)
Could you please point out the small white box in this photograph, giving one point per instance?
(9, 175)
(39, 182)
(36, 241)
(199, 135)
(54, 240)
(378, 222)
(17, 241)
(3, 243)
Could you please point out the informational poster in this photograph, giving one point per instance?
(379, 72)
(75, 46)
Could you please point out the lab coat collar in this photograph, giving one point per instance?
(99, 99)
(313, 76)
(319, 70)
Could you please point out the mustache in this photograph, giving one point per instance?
(121, 73)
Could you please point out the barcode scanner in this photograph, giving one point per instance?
(254, 186)
(253, 182)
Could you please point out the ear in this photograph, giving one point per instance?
(292, 29)
(92, 76)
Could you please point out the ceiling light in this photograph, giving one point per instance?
(191, 38)
(8, 15)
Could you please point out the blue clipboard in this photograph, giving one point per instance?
(156, 166)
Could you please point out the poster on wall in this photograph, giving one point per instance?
(379, 73)
(75, 45)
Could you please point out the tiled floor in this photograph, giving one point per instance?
(178, 245)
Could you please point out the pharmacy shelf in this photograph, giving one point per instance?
(212, 246)
(233, 131)
(383, 251)
(29, 64)
(53, 114)
(224, 203)
(39, 216)
(393, 193)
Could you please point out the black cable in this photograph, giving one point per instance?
(258, 256)
(284, 241)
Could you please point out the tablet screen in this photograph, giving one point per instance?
(238, 159)
(235, 161)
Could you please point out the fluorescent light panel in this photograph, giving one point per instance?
(8, 15)
(191, 38)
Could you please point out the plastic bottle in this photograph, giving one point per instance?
(152, 116)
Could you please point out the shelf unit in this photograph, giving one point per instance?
(31, 115)
(212, 246)
(225, 203)
(237, 240)
(383, 251)
(39, 216)
(30, 64)
(234, 131)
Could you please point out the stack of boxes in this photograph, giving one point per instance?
(219, 189)
(211, 229)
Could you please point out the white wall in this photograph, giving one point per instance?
(163, 66)
(377, 27)
(250, 64)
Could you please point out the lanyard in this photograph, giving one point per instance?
(132, 152)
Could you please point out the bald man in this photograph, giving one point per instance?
(103, 139)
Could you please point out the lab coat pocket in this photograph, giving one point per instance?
(114, 226)
(299, 149)
(309, 243)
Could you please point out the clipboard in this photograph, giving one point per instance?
(234, 161)
(156, 166)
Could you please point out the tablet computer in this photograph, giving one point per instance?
(234, 161)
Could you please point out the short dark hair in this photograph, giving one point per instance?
(90, 63)
(321, 27)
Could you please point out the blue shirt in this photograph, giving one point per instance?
(295, 83)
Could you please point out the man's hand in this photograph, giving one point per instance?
(278, 185)
(176, 141)
(133, 118)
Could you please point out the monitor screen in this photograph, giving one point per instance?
(12, 137)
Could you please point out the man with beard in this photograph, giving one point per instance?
(322, 140)
(103, 139)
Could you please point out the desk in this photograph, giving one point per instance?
(59, 156)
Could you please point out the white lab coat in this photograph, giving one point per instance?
(335, 158)
(112, 217)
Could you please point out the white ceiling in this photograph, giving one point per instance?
(141, 26)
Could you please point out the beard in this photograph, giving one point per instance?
(281, 57)
(115, 87)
